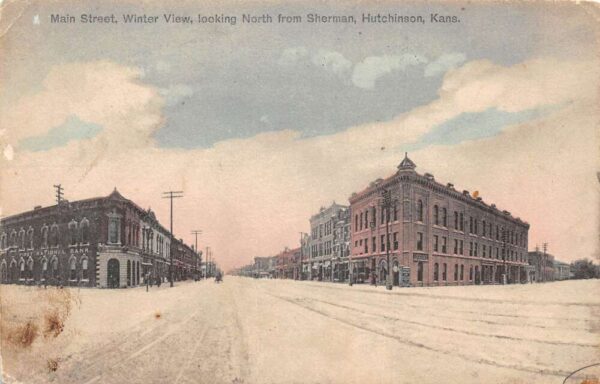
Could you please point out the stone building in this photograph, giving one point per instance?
(323, 258)
(98, 242)
(438, 235)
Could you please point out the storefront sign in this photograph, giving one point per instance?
(420, 257)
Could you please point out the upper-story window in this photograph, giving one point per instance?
(54, 235)
(436, 215)
(114, 225)
(483, 227)
(462, 222)
(470, 224)
(13, 238)
(3, 240)
(456, 220)
(85, 231)
(73, 232)
(22, 239)
(419, 241)
(420, 210)
(445, 217)
(30, 238)
(45, 236)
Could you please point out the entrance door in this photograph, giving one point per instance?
(396, 273)
(113, 273)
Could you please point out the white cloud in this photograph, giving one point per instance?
(372, 68)
(176, 93)
(444, 63)
(291, 56)
(332, 61)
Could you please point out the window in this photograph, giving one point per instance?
(475, 249)
(54, 236)
(22, 239)
(420, 271)
(455, 272)
(445, 272)
(476, 226)
(84, 269)
(395, 213)
(395, 240)
(483, 228)
(462, 271)
(497, 233)
(444, 217)
(455, 246)
(444, 244)
(462, 222)
(366, 246)
(374, 244)
(456, 220)
(470, 248)
(366, 219)
(461, 247)
(435, 243)
(30, 238)
(361, 220)
(73, 232)
(484, 249)
(470, 224)
(382, 243)
(436, 215)
(419, 241)
(355, 224)
(420, 210)
(73, 269)
(85, 231)
(382, 215)
(374, 217)
(436, 271)
(113, 231)
(471, 273)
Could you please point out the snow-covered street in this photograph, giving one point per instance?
(281, 331)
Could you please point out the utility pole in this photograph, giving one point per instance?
(387, 205)
(197, 232)
(172, 195)
(59, 193)
(301, 255)
(544, 260)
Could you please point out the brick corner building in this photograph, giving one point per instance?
(439, 235)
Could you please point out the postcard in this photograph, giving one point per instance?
(274, 192)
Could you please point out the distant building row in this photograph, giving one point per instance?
(431, 233)
(99, 242)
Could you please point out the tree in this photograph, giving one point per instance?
(584, 269)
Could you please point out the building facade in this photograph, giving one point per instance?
(323, 259)
(99, 242)
(434, 234)
(562, 271)
(543, 266)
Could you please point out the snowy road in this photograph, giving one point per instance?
(273, 331)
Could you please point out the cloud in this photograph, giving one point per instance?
(444, 63)
(176, 93)
(332, 61)
(291, 56)
(372, 68)
(251, 196)
(72, 129)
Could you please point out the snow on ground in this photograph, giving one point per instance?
(281, 331)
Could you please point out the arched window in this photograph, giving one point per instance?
(445, 272)
(84, 269)
(436, 215)
(30, 238)
(73, 233)
(30, 268)
(21, 269)
(420, 210)
(3, 241)
(22, 239)
(55, 268)
(84, 227)
(45, 236)
(54, 236)
(13, 238)
(436, 271)
(73, 269)
(128, 273)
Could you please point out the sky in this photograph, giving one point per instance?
(261, 125)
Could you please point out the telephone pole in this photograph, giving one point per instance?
(172, 195)
(545, 260)
(59, 193)
(197, 232)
